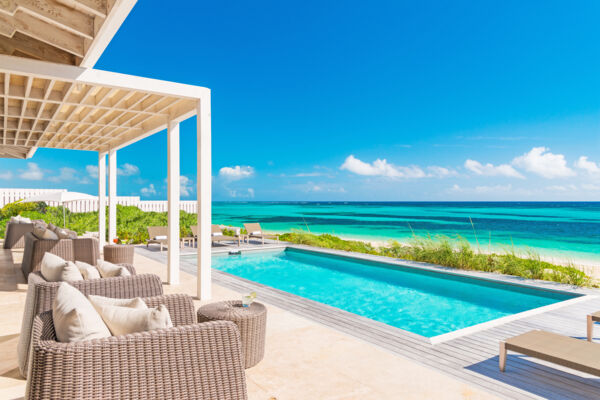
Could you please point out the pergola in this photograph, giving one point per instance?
(52, 98)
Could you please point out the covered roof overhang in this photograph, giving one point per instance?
(73, 32)
(58, 106)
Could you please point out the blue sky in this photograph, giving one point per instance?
(379, 100)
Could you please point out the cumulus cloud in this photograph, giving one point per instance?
(6, 175)
(32, 173)
(589, 166)
(541, 162)
(492, 170)
(590, 186)
(186, 186)
(241, 193)
(66, 175)
(92, 170)
(147, 191)
(126, 170)
(236, 173)
(440, 172)
(381, 167)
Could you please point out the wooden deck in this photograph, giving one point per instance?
(471, 358)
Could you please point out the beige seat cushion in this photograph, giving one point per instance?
(136, 303)
(124, 320)
(55, 269)
(109, 270)
(75, 318)
(88, 271)
(65, 234)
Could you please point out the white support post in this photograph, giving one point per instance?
(101, 200)
(173, 206)
(112, 195)
(203, 132)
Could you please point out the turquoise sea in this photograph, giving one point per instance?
(564, 230)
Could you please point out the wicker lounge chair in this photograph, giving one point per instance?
(188, 361)
(41, 294)
(591, 318)
(558, 349)
(217, 235)
(15, 235)
(156, 234)
(255, 232)
(80, 249)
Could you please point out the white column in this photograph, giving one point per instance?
(101, 200)
(173, 206)
(112, 195)
(203, 131)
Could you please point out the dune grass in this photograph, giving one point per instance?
(455, 253)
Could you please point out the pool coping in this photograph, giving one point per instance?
(580, 293)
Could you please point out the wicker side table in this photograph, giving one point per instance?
(251, 321)
(118, 253)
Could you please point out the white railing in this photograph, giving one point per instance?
(12, 195)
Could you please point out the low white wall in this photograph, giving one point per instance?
(12, 195)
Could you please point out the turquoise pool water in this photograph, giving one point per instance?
(423, 302)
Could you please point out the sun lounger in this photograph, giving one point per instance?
(591, 318)
(158, 235)
(558, 349)
(255, 232)
(217, 235)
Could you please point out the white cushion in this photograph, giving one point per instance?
(55, 269)
(98, 301)
(160, 237)
(256, 233)
(124, 320)
(88, 271)
(20, 220)
(75, 318)
(217, 234)
(109, 270)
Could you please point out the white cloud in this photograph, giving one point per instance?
(590, 186)
(493, 189)
(92, 170)
(66, 174)
(591, 167)
(247, 193)
(381, 167)
(562, 188)
(541, 162)
(32, 173)
(127, 170)
(455, 188)
(186, 186)
(146, 191)
(6, 175)
(440, 172)
(236, 173)
(492, 170)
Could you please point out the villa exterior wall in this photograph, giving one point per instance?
(11, 195)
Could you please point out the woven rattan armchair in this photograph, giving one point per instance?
(41, 294)
(15, 232)
(80, 249)
(188, 361)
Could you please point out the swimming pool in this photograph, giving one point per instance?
(421, 301)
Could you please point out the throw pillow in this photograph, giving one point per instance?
(55, 269)
(75, 318)
(124, 320)
(40, 232)
(99, 301)
(88, 271)
(109, 270)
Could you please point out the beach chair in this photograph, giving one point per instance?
(255, 232)
(158, 235)
(558, 349)
(217, 235)
(591, 318)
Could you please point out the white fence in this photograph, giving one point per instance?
(12, 195)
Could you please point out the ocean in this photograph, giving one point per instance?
(560, 230)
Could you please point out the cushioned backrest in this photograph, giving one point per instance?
(154, 231)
